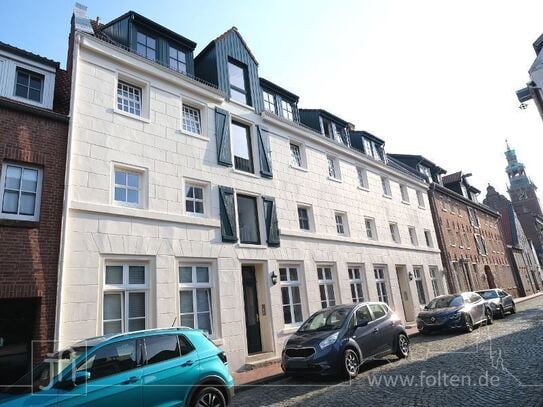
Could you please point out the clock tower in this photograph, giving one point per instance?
(523, 193)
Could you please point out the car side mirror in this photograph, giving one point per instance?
(426, 308)
(362, 323)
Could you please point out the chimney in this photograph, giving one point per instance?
(82, 22)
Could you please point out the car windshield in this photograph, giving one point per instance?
(326, 320)
(487, 295)
(43, 373)
(446, 301)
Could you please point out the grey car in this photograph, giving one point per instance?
(499, 301)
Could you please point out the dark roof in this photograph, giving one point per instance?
(368, 135)
(30, 55)
(454, 177)
(421, 159)
(399, 166)
(155, 26)
(325, 113)
(538, 44)
(272, 86)
(235, 30)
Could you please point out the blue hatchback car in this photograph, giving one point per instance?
(174, 366)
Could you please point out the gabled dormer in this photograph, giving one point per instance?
(422, 166)
(329, 125)
(458, 183)
(228, 63)
(279, 101)
(152, 41)
(368, 144)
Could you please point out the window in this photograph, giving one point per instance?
(378, 310)
(146, 46)
(413, 236)
(371, 149)
(269, 102)
(195, 307)
(481, 245)
(326, 128)
(371, 231)
(20, 189)
(290, 292)
(362, 178)
(295, 155)
(248, 220)
(341, 224)
(459, 240)
(435, 282)
(428, 238)
(333, 170)
(425, 171)
(194, 199)
(405, 193)
(445, 204)
(125, 298)
(160, 348)
(127, 187)
(129, 98)
(326, 286)
(417, 272)
(286, 110)
(243, 153)
(472, 213)
(385, 182)
(355, 280)
(381, 283)
(303, 218)
(112, 359)
(237, 74)
(191, 120)
(29, 85)
(420, 199)
(178, 60)
(395, 232)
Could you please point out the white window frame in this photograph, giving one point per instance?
(142, 185)
(395, 232)
(195, 120)
(372, 229)
(428, 238)
(330, 159)
(267, 102)
(362, 176)
(301, 150)
(286, 107)
(420, 200)
(37, 202)
(418, 277)
(435, 279)
(193, 287)
(136, 82)
(205, 197)
(382, 282)
(385, 183)
(404, 192)
(413, 235)
(289, 284)
(310, 221)
(357, 285)
(481, 244)
(473, 218)
(343, 224)
(326, 283)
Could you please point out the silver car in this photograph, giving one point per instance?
(499, 301)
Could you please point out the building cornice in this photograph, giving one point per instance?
(458, 197)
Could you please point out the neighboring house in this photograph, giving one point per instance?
(521, 256)
(534, 88)
(196, 197)
(469, 233)
(34, 102)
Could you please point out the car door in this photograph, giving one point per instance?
(506, 299)
(380, 329)
(363, 335)
(479, 306)
(115, 377)
(170, 371)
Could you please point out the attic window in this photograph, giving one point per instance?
(146, 46)
(286, 109)
(29, 85)
(237, 74)
(178, 60)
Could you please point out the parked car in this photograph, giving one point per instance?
(499, 301)
(461, 311)
(338, 339)
(175, 366)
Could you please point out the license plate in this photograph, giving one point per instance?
(297, 364)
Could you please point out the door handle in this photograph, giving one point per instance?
(132, 379)
(187, 363)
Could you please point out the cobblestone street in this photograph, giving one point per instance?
(496, 365)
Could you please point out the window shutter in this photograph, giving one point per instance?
(272, 227)
(264, 152)
(228, 214)
(222, 135)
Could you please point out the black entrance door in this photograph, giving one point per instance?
(252, 319)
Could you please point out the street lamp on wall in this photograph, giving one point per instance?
(273, 278)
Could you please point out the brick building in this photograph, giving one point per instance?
(34, 99)
(469, 233)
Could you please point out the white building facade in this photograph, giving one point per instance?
(187, 207)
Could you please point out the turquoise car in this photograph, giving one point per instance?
(173, 367)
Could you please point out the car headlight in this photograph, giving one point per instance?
(329, 341)
(455, 315)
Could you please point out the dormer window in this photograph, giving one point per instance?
(326, 127)
(286, 110)
(425, 171)
(29, 85)
(178, 60)
(237, 74)
(146, 46)
(371, 149)
(269, 102)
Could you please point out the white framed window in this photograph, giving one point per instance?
(129, 98)
(128, 187)
(195, 304)
(428, 238)
(125, 298)
(413, 236)
(420, 199)
(296, 155)
(395, 232)
(362, 178)
(269, 102)
(405, 193)
(194, 199)
(452, 237)
(385, 182)
(326, 286)
(434, 278)
(381, 283)
(333, 168)
(419, 282)
(286, 110)
(472, 213)
(371, 230)
(289, 279)
(341, 223)
(357, 283)
(304, 218)
(481, 244)
(192, 121)
(20, 189)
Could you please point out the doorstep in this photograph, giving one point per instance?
(269, 370)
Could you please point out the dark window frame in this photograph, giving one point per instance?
(178, 61)
(247, 90)
(257, 223)
(240, 162)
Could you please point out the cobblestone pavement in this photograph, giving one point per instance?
(498, 365)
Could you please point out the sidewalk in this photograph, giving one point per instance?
(528, 297)
(273, 372)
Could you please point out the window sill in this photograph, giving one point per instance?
(387, 196)
(132, 116)
(246, 106)
(247, 174)
(338, 180)
(251, 246)
(406, 202)
(422, 207)
(363, 189)
(194, 135)
(303, 169)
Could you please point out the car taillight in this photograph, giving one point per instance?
(222, 356)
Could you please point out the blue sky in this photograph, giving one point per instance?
(429, 77)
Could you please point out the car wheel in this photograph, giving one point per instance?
(468, 324)
(501, 312)
(209, 397)
(489, 317)
(402, 346)
(351, 363)
(513, 309)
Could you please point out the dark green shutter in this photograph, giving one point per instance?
(222, 134)
(228, 214)
(264, 151)
(272, 227)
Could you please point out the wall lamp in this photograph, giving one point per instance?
(273, 278)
